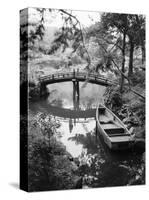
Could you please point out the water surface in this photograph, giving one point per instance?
(96, 163)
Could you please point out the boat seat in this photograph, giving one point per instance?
(114, 135)
(101, 110)
(114, 130)
(106, 122)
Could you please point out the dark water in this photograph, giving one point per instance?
(97, 164)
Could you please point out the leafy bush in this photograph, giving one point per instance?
(138, 78)
(49, 166)
(128, 107)
(34, 92)
(113, 98)
(76, 60)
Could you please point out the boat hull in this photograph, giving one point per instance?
(120, 141)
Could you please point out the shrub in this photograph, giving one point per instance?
(49, 166)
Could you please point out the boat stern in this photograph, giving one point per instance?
(122, 145)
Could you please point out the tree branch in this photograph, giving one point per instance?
(128, 81)
(124, 76)
(82, 36)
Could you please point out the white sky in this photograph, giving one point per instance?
(54, 18)
(85, 18)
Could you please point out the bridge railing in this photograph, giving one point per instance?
(76, 74)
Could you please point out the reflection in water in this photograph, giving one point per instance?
(63, 92)
(70, 125)
(72, 146)
(97, 165)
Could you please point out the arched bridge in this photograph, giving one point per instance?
(75, 76)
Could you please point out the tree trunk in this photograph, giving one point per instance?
(143, 53)
(123, 62)
(131, 59)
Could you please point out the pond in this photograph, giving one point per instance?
(98, 166)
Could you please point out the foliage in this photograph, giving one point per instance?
(131, 25)
(49, 166)
(138, 78)
(34, 91)
(76, 60)
(30, 32)
(130, 108)
(113, 98)
(70, 35)
(106, 47)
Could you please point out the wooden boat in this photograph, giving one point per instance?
(114, 132)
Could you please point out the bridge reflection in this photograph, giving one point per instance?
(72, 116)
(66, 113)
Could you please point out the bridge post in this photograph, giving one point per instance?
(73, 73)
(76, 94)
(96, 130)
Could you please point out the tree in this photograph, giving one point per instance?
(130, 27)
(119, 23)
(71, 34)
(30, 32)
(136, 35)
(112, 35)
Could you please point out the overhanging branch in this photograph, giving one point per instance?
(138, 94)
(82, 36)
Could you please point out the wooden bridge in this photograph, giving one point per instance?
(76, 76)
